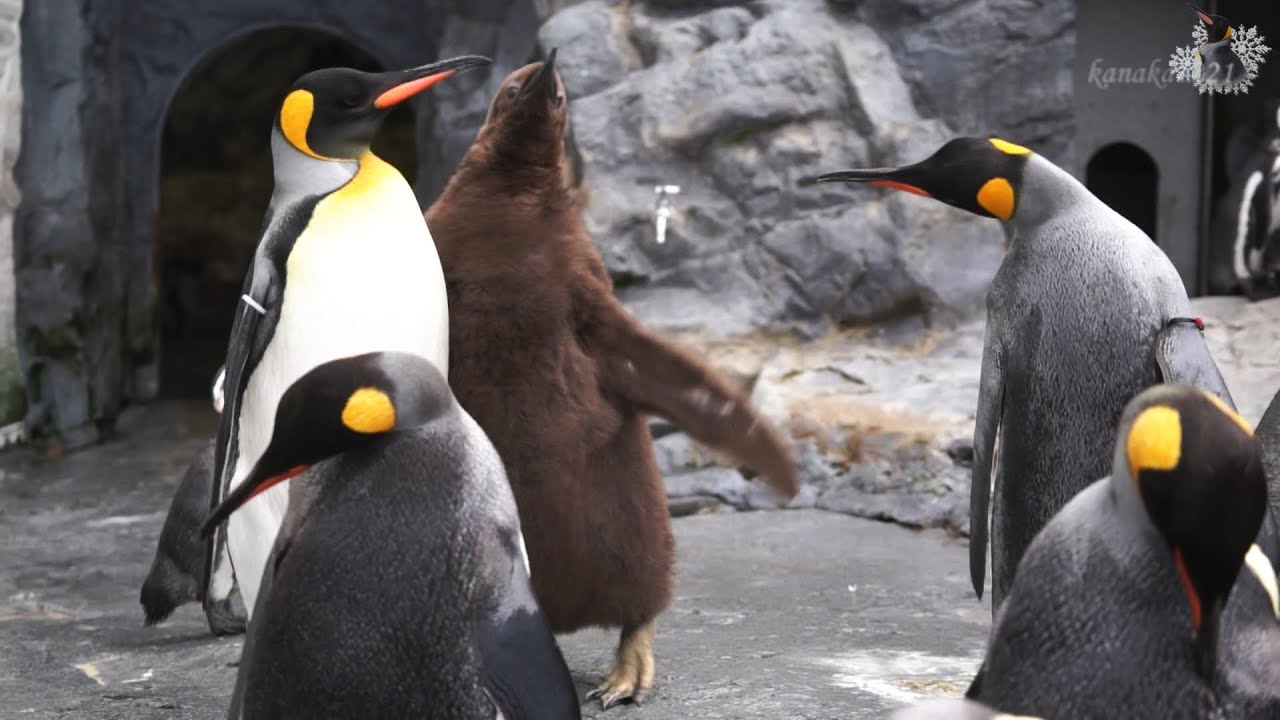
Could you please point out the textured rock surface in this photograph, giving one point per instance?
(885, 429)
(735, 105)
(988, 66)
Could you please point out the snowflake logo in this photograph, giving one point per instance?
(1220, 67)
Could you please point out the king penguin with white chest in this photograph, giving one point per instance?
(345, 265)
(1084, 312)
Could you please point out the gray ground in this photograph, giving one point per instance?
(781, 614)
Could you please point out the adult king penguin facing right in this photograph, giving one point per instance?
(345, 266)
(1084, 312)
(1146, 597)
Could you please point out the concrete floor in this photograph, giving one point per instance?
(787, 614)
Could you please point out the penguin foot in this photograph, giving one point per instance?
(632, 670)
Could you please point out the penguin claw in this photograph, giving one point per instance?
(632, 672)
(609, 695)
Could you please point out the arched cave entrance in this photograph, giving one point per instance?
(1125, 177)
(215, 180)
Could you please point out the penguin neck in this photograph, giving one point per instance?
(1046, 191)
(299, 176)
(514, 174)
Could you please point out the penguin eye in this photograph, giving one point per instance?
(513, 91)
(350, 102)
(559, 100)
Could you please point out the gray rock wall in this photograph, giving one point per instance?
(12, 402)
(736, 104)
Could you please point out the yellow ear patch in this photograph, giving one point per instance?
(295, 118)
(1008, 148)
(996, 196)
(1244, 424)
(369, 410)
(1155, 440)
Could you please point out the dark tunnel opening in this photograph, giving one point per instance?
(216, 180)
(1125, 177)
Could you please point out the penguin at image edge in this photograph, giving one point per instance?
(1150, 582)
(345, 265)
(1216, 57)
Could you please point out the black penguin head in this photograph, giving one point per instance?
(1197, 471)
(1218, 27)
(338, 406)
(527, 117)
(981, 175)
(333, 114)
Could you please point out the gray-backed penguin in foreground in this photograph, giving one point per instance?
(1146, 597)
(397, 586)
(178, 567)
(561, 377)
(1084, 312)
(345, 265)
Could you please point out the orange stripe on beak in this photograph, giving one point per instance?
(276, 480)
(1207, 20)
(404, 91)
(900, 186)
(1187, 585)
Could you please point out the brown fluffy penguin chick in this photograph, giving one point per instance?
(560, 377)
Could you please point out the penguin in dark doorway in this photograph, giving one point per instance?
(1245, 253)
(397, 586)
(561, 377)
(178, 567)
(1216, 63)
(1084, 312)
(1131, 602)
(345, 265)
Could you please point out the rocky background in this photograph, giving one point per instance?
(736, 103)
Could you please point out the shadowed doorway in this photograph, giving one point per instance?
(216, 181)
(1125, 177)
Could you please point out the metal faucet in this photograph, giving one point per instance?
(662, 209)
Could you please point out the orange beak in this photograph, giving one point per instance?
(404, 84)
(900, 186)
(406, 90)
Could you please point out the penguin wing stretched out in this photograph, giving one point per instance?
(1183, 357)
(658, 377)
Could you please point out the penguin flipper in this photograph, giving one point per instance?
(524, 671)
(261, 287)
(1183, 357)
(985, 430)
(659, 377)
